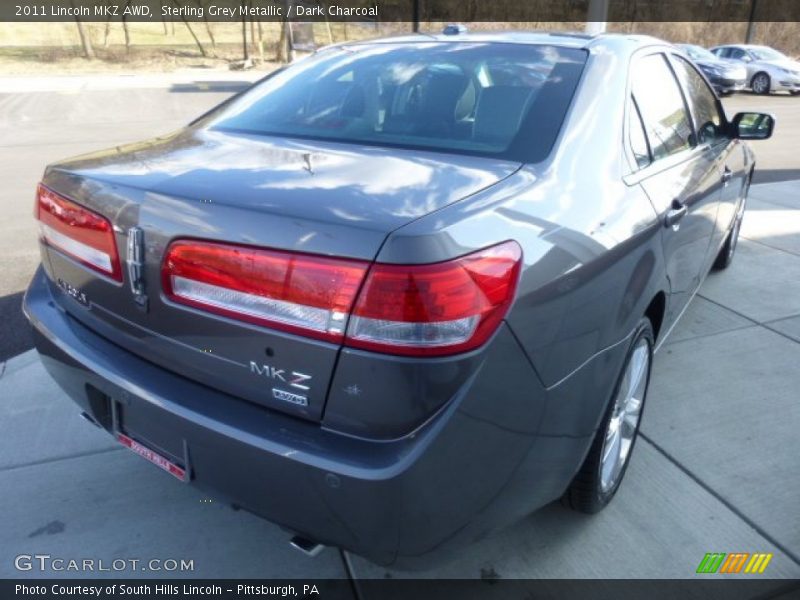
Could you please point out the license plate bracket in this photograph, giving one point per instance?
(122, 402)
(154, 457)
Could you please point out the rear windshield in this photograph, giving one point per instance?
(485, 99)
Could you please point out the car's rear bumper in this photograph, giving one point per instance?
(481, 462)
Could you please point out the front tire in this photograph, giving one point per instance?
(599, 478)
(761, 83)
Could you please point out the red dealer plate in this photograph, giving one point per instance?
(153, 457)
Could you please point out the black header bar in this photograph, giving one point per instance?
(519, 11)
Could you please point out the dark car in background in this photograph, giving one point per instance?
(726, 76)
(403, 292)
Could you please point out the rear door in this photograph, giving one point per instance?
(742, 57)
(679, 175)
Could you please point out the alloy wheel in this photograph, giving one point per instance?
(761, 83)
(626, 414)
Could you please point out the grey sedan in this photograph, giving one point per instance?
(402, 292)
(767, 69)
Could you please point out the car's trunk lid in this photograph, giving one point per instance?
(327, 199)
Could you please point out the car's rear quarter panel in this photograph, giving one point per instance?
(591, 244)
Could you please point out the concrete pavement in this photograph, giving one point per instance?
(45, 119)
(716, 469)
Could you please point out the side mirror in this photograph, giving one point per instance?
(753, 126)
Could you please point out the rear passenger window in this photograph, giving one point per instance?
(661, 106)
(708, 121)
(637, 138)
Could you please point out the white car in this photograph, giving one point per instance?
(767, 69)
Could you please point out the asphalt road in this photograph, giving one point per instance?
(37, 128)
(66, 116)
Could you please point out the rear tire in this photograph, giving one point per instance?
(761, 83)
(598, 479)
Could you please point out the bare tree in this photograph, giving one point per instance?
(125, 28)
(260, 40)
(106, 29)
(163, 20)
(208, 27)
(86, 41)
(191, 31)
(281, 52)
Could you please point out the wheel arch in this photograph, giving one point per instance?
(761, 72)
(655, 311)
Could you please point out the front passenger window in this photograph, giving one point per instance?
(708, 120)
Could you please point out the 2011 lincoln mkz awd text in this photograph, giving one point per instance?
(402, 292)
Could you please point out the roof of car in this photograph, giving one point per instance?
(555, 38)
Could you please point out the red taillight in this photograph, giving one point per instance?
(443, 308)
(78, 232)
(300, 293)
(415, 310)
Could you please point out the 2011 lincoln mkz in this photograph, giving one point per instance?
(402, 292)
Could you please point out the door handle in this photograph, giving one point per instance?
(676, 212)
(727, 174)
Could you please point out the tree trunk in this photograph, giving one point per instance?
(260, 40)
(163, 20)
(126, 30)
(86, 42)
(210, 33)
(208, 27)
(127, 35)
(280, 54)
(191, 31)
(253, 32)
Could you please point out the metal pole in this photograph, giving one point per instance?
(244, 32)
(415, 16)
(596, 17)
(751, 24)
